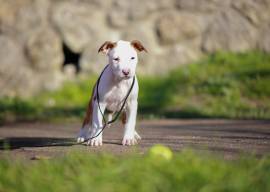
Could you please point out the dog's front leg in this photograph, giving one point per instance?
(97, 124)
(129, 134)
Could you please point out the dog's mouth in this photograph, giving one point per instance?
(127, 76)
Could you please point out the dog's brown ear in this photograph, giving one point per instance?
(138, 45)
(105, 47)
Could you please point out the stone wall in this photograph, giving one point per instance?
(175, 32)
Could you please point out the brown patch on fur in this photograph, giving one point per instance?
(89, 111)
(106, 46)
(124, 117)
(138, 45)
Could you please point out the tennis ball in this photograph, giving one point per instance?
(161, 151)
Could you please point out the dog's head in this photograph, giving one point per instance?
(122, 57)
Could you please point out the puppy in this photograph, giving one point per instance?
(114, 84)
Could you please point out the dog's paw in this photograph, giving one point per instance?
(95, 141)
(129, 140)
(80, 139)
(83, 135)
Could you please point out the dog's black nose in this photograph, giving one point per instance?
(126, 72)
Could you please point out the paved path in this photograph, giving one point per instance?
(228, 138)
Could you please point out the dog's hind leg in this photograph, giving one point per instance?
(124, 117)
(87, 122)
(84, 132)
(110, 116)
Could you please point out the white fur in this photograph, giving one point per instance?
(113, 87)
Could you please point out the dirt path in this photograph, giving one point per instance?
(226, 137)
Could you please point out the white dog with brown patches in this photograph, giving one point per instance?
(114, 85)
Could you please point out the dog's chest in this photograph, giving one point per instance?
(115, 96)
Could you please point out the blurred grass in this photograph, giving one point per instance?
(186, 171)
(222, 85)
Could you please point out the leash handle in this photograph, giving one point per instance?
(103, 116)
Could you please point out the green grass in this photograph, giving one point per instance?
(222, 85)
(186, 171)
(69, 102)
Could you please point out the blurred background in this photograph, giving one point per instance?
(207, 58)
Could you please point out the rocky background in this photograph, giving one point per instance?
(39, 39)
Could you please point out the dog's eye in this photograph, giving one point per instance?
(132, 58)
(116, 59)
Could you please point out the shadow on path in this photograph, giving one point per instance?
(21, 142)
